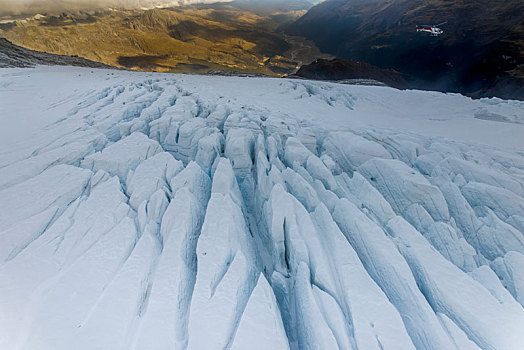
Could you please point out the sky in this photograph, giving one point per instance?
(9, 7)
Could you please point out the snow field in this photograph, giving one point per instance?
(151, 211)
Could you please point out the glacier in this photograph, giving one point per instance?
(160, 211)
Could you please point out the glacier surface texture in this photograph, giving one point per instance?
(156, 211)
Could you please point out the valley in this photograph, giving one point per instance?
(480, 53)
(294, 189)
(188, 39)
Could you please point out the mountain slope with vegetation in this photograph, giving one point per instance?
(182, 39)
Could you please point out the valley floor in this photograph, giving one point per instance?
(160, 211)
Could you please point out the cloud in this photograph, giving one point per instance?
(14, 7)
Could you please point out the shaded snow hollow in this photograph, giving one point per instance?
(153, 211)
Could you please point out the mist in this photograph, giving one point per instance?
(17, 7)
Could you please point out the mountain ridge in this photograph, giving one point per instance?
(193, 39)
(481, 49)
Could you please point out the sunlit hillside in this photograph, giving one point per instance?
(189, 39)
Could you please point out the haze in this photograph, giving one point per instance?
(13, 7)
(16, 7)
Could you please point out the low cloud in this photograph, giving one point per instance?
(16, 7)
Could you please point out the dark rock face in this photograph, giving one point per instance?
(481, 48)
(340, 69)
(12, 56)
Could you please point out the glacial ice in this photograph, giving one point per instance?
(151, 175)
(439, 281)
(261, 325)
(151, 211)
(403, 186)
(353, 150)
(125, 155)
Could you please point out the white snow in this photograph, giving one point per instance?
(156, 211)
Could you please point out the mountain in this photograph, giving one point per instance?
(273, 5)
(343, 70)
(481, 51)
(15, 56)
(9, 8)
(158, 211)
(197, 38)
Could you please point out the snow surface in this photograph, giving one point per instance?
(157, 211)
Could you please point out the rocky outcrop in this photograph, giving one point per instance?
(12, 55)
(343, 70)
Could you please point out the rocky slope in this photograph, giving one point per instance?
(481, 51)
(15, 56)
(348, 70)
